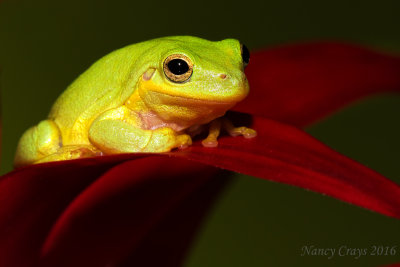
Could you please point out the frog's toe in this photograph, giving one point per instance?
(236, 131)
(183, 141)
(244, 131)
(210, 142)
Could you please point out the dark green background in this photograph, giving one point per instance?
(44, 45)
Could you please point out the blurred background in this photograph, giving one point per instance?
(45, 45)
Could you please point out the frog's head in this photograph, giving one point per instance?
(193, 80)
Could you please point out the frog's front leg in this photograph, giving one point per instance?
(118, 131)
(213, 133)
(223, 123)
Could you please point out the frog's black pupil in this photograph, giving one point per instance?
(245, 54)
(178, 66)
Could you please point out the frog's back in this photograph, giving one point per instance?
(103, 86)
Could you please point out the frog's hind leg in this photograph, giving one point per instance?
(43, 143)
(236, 131)
(69, 152)
(38, 142)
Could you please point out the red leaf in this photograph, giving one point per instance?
(123, 205)
(171, 238)
(33, 197)
(299, 84)
(288, 155)
(92, 222)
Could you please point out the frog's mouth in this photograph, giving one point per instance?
(170, 99)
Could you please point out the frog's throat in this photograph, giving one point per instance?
(157, 110)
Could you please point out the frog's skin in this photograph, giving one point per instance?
(126, 102)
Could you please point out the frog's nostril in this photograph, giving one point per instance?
(223, 76)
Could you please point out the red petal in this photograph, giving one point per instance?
(83, 220)
(286, 154)
(172, 236)
(31, 200)
(299, 84)
(120, 212)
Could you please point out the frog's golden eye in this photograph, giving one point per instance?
(178, 68)
(245, 54)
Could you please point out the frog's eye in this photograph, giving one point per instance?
(178, 68)
(245, 54)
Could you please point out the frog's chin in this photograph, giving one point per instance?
(188, 111)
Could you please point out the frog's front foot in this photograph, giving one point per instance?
(223, 123)
(213, 133)
(183, 141)
(165, 139)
